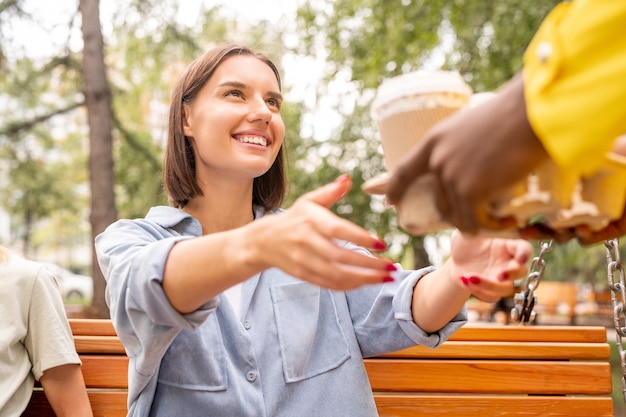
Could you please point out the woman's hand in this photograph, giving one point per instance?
(486, 267)
(303, 242)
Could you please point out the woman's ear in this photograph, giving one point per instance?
(187, 129)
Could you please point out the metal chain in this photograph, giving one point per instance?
(523, 312)
(618, 296)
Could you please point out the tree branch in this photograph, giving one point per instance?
(13, 128)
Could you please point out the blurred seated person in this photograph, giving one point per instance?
(36, 342)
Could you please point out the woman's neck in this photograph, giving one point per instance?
(218, 213)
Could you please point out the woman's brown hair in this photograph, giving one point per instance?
(179, 166)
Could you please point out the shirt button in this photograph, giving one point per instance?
(251, 376)
(544, 51)
(247, 325)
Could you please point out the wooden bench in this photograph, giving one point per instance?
(481, 371)
(499, 370)
(105, 369)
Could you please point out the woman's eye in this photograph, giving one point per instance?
(234, 93)
(274, 102)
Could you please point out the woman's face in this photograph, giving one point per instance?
(234, 121)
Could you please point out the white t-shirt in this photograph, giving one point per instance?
(34, 331)
(233, 294)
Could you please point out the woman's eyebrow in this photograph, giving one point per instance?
(275, 95)
(235, 84)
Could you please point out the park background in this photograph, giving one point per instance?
(84, 91)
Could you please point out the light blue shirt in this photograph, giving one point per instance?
(296, 351)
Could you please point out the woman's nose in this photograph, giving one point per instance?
(260, 112)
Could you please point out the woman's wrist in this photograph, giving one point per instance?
(455, 277)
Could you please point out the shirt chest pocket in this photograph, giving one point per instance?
(310, 335)
(196, 359)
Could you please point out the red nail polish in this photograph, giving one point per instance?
(391, 268)
(379, 245)
(474, 280)
(465, 281)
(388, 279)
(503, 277)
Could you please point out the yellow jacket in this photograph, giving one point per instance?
(575, 82)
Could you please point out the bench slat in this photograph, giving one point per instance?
(102, 371)
(573, 334)
(504, 377)
(508, 350)
(99, 344)
(92, 327)
(109, 404)
(103, 404)
(398, 405)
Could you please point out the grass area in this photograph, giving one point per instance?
(77, 301)
(619, 404)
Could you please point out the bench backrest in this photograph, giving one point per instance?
(481, 370)
(499, 370)
(105, 369)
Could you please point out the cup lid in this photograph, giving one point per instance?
(419, 82)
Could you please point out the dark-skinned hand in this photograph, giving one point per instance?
(474, 155)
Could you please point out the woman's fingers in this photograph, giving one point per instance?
(488, 270)
(324, 263)
(486, 289)
(327, 223)
(310, 242)
(336, 267)
(329, 194)
(517, 266)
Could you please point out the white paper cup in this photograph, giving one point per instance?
(407, 106)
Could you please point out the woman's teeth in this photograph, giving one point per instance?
(257, 140)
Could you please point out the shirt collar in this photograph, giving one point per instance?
(174, 218)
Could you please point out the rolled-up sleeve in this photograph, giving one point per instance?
(402, 307)
(382, 315)
(132, 256)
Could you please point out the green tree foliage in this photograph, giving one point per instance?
(41, 160)
(584, 265)
(491, 37)
(38, 186)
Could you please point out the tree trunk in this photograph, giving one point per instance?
(420, 256)
(100, 122)
(28, 230)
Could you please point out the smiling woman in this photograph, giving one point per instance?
(229, 305)
(221, 101)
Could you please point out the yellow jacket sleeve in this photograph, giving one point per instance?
(575, 82)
